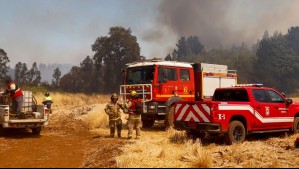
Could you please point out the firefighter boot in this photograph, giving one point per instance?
(119, 134)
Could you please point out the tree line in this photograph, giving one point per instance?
(273, 61)
(24, 76)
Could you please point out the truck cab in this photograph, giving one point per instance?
(156, 82)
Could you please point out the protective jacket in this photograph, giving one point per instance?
(13, 90)
(113, 111)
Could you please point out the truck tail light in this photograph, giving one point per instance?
(47, 111)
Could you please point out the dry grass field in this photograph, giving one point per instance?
(160, 149)
(79, 120)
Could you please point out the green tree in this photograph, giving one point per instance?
(87, 74)
(188, 50)
(111, 54)
(182, 50)
(21, 73)
(18, 69)
(71, 82)
(293, 38)
(56, 78)
(3, 63)
(24, 74)
(168, 57)
(34, 75)
(276, 64)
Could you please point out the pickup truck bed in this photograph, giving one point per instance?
(33, 116)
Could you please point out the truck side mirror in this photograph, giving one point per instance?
(289, 101)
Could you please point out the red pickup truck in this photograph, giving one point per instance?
(238, 111)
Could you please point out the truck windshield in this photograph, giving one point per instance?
(140, 75)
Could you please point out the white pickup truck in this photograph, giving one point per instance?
(33, 116)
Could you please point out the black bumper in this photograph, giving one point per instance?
(207, 127)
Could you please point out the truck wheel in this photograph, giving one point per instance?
(169, 118)
(296, 125)
(236, 133)
(36, 131)
(148, 123)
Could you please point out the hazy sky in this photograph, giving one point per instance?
(62, 31)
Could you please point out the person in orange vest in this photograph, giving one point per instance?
(17, 96)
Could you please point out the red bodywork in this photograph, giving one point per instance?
(161, 92)
(257, 115)
(161, 83)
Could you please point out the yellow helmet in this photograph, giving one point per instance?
(133, 93)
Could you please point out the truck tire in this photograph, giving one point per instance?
(169, 118)
(36, 131)
(296, 125)
(236, 133)
(148, 123)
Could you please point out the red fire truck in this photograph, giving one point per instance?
(161, 83)
(238, 111)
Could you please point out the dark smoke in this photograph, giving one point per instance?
(223, 23)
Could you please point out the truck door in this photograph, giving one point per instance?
(261, 110)
(168, 78)
(186, 84)
(271, 111)
(279, 110)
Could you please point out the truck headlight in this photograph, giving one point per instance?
(152, 107)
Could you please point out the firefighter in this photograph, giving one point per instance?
(48, 101)
(134, 109)
(16, 95)
(113, 111)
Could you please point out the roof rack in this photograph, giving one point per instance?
(153, 60)
(245, 85)
(146, 60)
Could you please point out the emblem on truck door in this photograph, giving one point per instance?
(221, 116)
(267, 111)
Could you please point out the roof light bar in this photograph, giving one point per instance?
(244, 85)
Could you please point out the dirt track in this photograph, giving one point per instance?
(68, 142)
(64, 143)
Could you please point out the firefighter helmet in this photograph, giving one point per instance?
(133, 93)
(114, 97)
(47, 94)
